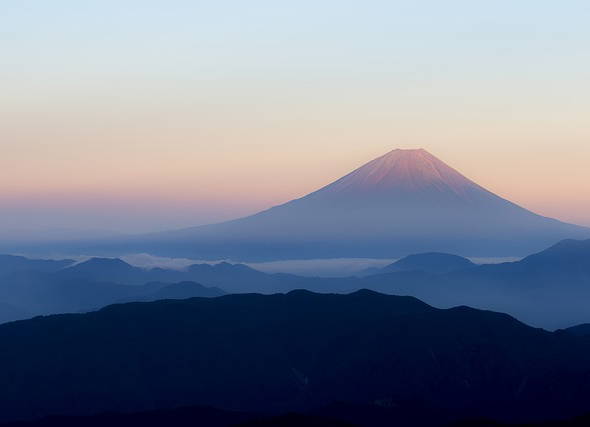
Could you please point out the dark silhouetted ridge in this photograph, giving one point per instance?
(290, 352)
(580, 330)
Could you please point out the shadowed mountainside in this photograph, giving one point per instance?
(582, 330)
(290, 352)
(334, 415)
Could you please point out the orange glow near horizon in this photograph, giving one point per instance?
(219, 185)
(217, 115)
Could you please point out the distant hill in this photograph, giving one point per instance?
(564, 266)
(9, 313)
(433, 262)
(180, 290)
(290, 352)
(233, 277)
(109, 268)
(25, 295)
(571, 257)
(64, 287)
(547, 289)
(11, 264)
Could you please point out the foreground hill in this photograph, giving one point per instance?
(580, 330)
(185, 417)
(339, 415)
(289, 352)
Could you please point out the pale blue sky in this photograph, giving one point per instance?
(196, 104)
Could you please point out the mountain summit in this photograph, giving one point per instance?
(406, 201)
(402, 171)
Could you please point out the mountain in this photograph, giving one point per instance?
(550, 288)
(49, 295)
(406, 201)
(290, 352)
(432, 262)
(9, 313)
(186, 417)
(110, 267)
(96, 282)
(12, 264)
(580, 330)
(176, 417)
(547, 289)
(568, 256)
(337, 415)
(180, 290)
(231, 277)
(84, 288)
(566, 261)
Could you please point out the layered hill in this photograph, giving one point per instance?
(432, 262)
(36, 287)
(10, 264)
(548, 289)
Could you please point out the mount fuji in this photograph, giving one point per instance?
(406, 201)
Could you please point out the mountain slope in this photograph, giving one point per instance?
(571, 256)
(9, 313)
(180, 290)
(289, 352)
(433, 262)
(406, 201)
(231, 277)
(97, 282)
(550, 288)
(580, 330)
(12, 264)
(28, 294)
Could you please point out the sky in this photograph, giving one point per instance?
(146, 115)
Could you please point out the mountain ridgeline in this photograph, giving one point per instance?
(30, 287)
(290, 352)
(548, 289)
(437, 263)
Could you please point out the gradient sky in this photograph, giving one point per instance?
(145, 115)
